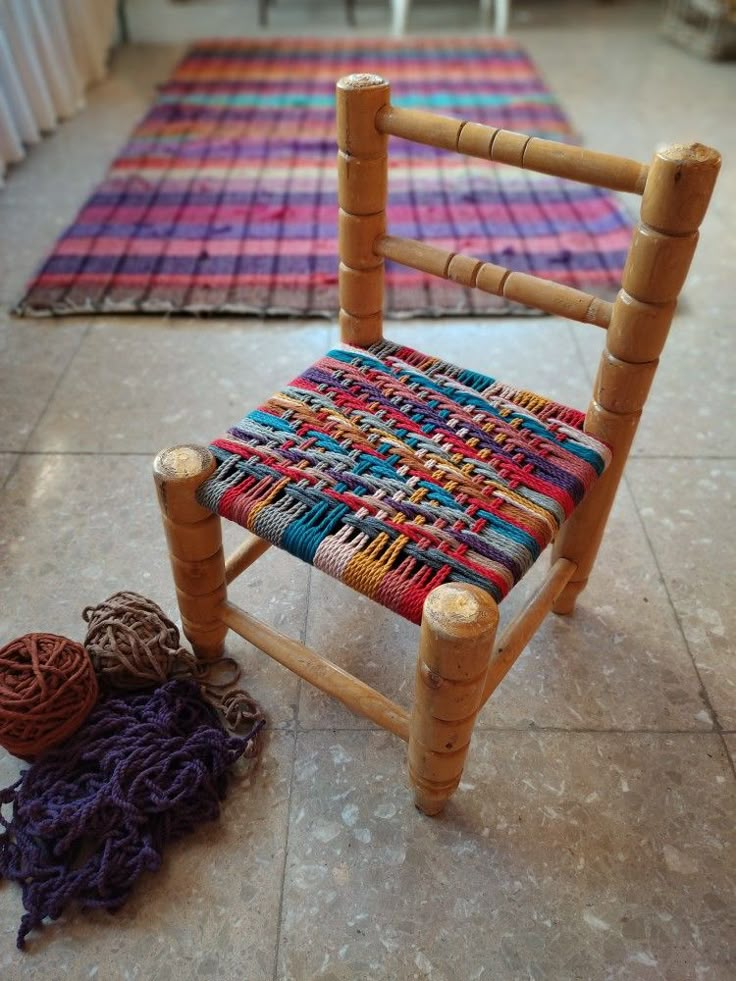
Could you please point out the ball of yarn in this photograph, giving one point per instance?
(133, 644)
(88, 819)
(47, 689)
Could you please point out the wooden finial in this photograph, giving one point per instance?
(178, 472)
(687, 174)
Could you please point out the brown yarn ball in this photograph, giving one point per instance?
(133, 644)
(47, 689)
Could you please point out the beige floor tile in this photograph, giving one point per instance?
(563, 856)
(28, 232)
(618, 663)
(210, 913)
(363, 638)
(33, 357)
(730, 741)
(139, 387)
(690, 409)
(708, 297)
(275, 590)
(575, 66)
(77, 529)
(7, 462)
(60, 172)
(687, 508)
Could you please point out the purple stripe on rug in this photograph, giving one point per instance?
(222, 203)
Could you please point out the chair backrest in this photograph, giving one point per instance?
(675, 188)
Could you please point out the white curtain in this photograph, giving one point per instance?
(50, 51)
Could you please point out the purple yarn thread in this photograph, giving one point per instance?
(89, 817)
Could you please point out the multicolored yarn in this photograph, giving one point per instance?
(224, 198)
(395, 472)
(89, 818)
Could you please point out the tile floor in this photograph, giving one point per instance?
(593, 834)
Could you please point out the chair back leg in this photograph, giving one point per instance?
(362, 170)
(675, 199)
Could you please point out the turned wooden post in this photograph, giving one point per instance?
(675, 199)
(362, 170)
(458, 629)
(194, 537)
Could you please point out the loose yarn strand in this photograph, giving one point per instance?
(143, 770)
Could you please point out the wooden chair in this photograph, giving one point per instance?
(425, 486)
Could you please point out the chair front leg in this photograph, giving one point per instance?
(458, 630)
(194, 537)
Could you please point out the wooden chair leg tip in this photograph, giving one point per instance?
(209, 652)
(565, 609)
(206, 648)
(564, 605)
(427, 806)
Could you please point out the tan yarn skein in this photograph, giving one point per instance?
(133, 644)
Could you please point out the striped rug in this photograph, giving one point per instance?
(224, 199)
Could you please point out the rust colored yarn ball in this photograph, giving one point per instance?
(47, 689)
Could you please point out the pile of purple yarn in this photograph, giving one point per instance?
(88, 818)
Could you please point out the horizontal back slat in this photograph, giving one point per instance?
(554, 298)
(528, 152)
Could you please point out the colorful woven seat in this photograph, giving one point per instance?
(395, 472)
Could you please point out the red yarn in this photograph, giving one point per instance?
(47, 689)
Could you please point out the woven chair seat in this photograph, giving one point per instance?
(394, 472)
